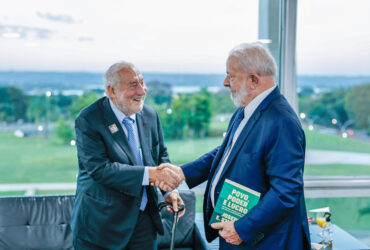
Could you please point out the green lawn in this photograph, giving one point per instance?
(336, 169)
(36, 159)
(182, 151)
(315, 140)
(12, 193)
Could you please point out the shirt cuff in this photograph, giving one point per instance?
(167, 193)
(146, 177)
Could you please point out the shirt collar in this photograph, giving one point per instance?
(118, 113)
(252, 106)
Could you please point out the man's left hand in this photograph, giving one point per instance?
(228, 232)
(175, 199)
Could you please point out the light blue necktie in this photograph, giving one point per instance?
(128, 122)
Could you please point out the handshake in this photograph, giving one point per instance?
(166, 176)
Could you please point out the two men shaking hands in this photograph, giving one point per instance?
(119, 138)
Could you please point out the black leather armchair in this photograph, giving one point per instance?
(42, 222)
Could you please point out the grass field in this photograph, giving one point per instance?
(185, 151)
(36, 159)
(336, 169)
(316, 140)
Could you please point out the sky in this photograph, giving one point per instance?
(333, 37)
(195, 36)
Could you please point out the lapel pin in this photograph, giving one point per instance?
(113, 128)
(144, 123)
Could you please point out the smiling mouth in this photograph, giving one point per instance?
(139, 99)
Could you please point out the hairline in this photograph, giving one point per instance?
(257, 57)
(111, 77)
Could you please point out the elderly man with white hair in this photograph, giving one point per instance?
(263, 150)
(119, 143)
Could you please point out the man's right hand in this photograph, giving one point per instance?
(165, 178)
(172, 167)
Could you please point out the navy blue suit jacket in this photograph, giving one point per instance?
(109, 184)
(268, 157)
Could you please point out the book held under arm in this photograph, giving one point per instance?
(234, 202)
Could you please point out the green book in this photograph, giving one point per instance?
(234, 202)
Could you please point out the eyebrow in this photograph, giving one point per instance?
(137, 81)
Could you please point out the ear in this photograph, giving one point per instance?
(255, 80)
(111, 92)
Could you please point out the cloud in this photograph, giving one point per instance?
(85, 39)
(25, 31)
(57, 18)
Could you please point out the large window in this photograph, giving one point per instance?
(334, 92)
(53, 55)
(53, 59)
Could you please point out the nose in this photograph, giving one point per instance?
(141, 90)
(226, 82)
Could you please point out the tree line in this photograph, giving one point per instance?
(182, 115)
(347, 106)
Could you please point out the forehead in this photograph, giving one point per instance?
(129, 74)
(232, 64)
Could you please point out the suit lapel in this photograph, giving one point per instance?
(144, 134)
(221, 151)
(119, 136)
(248, 128)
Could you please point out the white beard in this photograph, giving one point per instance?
(239, 96)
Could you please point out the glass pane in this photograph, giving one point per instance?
(334, 93)
(269, 26)
(53, 59)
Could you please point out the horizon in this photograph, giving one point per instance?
(168, 73)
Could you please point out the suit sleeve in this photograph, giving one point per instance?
(198, 171)
(284, 157)
(93, 158)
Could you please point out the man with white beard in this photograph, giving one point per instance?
(263, 150)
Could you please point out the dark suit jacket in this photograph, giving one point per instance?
(109, 185)
(268, 157)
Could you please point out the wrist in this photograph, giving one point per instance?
(182, 175)
(152, 174)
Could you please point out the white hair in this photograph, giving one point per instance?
(254, 57)
(111, 75)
